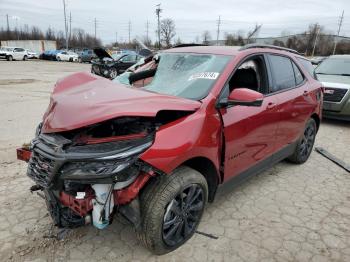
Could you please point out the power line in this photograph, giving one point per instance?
(218, 30)
(158, 11)
(340, 24)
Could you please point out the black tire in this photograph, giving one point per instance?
(305, 144)
(70, 59)
(157, 206)
(113, 73)
(9, 58)
(25, 58)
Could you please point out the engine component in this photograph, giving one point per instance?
(102, 205)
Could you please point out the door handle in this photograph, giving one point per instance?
(270, 105)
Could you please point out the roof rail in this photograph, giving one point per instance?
(248, 46)
(188, 45)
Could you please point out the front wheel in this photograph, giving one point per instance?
(171, 209)
(25, 58)
(9, 58)
(305, 143)
(113, 73)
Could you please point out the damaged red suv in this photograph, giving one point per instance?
(155, 148)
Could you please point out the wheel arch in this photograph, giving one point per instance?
(317, 119)
(207, 168)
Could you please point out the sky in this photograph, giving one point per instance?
(191, 17)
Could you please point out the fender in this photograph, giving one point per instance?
(196, 135)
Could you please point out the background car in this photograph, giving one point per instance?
(334, 73)
(13, 53)
(67, 56)
(32, 55)
(50, 55)
(86, 56)
(110, 66)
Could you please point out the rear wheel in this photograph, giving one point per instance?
(70, 59)
(171, 209)
(25, 58)
(305, 143)
(9, 58)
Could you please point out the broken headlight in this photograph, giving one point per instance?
(97, 170)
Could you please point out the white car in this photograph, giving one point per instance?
(13, 53)
(31, 54)
(67, 56)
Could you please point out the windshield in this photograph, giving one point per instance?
(334, 66)
(187, 75)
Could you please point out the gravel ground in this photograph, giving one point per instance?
(288, 213)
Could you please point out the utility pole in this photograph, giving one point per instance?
(129, 29)
(158, 11)
(8, 24)
(317, 33)
(116, 38)
(147, 27)
(339, 27)
(65, 23)
(70, 25)
(95, 22)
(218, 31)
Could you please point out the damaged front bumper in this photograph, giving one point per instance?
(87, 183)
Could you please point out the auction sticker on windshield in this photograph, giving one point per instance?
(204, 75)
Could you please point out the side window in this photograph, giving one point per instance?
(308, 66)
(299, 78)
(251, 74)
(90, 52)
(282, 71)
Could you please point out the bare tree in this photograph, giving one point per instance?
(206, 37)
(167, 31)
(234, 39)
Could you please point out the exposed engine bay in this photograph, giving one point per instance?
(90, 173)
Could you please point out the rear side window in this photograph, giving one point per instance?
(299, 78)
(307, 66)
(283, 73)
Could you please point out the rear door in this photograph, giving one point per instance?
(290, 88)
(249, 132)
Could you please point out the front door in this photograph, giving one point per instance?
(249, 131)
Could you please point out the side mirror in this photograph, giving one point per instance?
(243, 97)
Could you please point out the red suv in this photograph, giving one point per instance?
(155, 149)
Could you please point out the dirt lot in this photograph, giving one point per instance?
(288, 213)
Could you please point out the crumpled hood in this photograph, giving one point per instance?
(84, 99)
(102, 53)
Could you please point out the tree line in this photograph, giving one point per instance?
(313, 41)
(78, 38)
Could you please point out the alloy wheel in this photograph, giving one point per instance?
(182, 215)
(307, 141)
